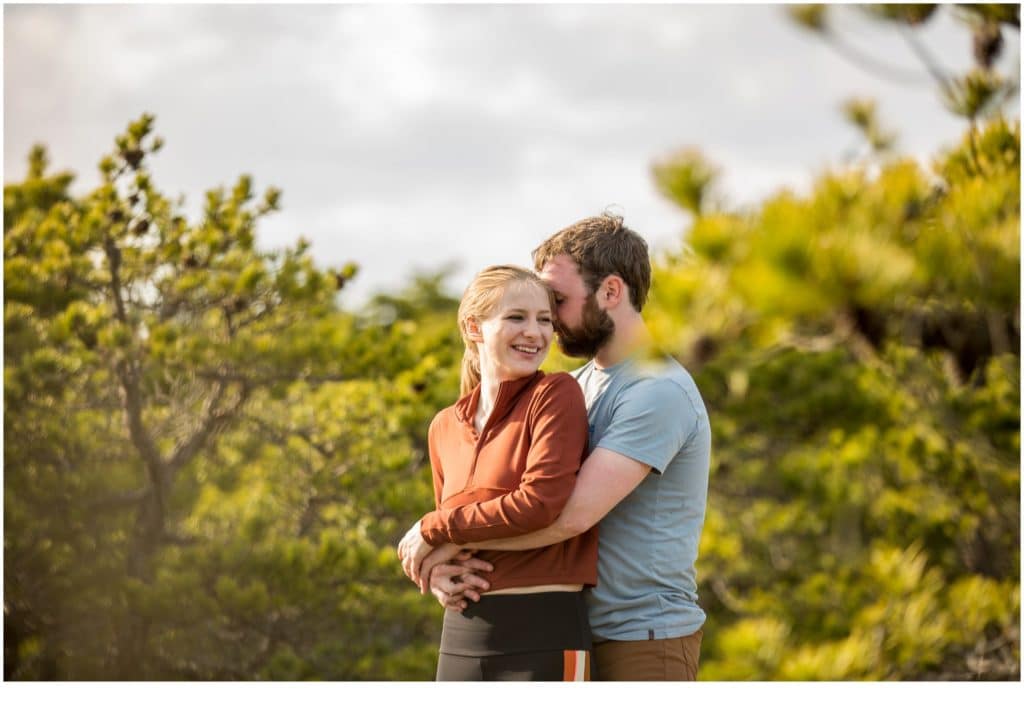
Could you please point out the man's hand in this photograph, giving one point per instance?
(452, 583)
(437, 556)
(412, 549)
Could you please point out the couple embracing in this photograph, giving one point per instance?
(569, 507)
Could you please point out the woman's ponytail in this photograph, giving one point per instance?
(470, 371)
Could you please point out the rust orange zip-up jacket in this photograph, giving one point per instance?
(513, 478)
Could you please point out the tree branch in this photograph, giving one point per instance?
(270, 377)
(280, 433)
(213, 420)
(867, 63)
(926, 58)
(143, 442)
(114, 259)
(119, 500)
(177, 539)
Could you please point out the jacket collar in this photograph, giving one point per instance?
(508, 393)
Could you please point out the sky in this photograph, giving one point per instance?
(407, 138)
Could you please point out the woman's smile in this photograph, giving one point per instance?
(516, 337)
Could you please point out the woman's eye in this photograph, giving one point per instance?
(516, 317)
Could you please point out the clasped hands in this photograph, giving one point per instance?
(449, 572)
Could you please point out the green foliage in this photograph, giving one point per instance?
(858, 349)
(863, 115)
(975, 95)
(971, 95)
(810, 16)
(207, 463)
(685, 178)
(909, 13)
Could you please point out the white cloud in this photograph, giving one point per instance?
(409, 135)
(375, 62)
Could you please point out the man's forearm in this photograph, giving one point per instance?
(555, 533)
(605, 479)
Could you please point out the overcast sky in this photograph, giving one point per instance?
(408, 136)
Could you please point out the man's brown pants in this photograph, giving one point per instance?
(674, 659)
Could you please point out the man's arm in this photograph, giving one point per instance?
(605, 479)
(558, 429)
(653, 420)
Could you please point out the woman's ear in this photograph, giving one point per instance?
(473, 331)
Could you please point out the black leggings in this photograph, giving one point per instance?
(545, 666)
(517, 637)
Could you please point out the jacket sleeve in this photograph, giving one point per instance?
(435, 461)
(558, 425)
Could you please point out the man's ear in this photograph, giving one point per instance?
(473, 332)
(611, 292)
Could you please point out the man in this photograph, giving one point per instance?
(645, 478)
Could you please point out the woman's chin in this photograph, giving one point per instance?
(520, 371)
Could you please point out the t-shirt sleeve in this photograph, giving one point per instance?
(557, 448)
(651, 421)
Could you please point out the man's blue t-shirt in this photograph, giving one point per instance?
(647, 545)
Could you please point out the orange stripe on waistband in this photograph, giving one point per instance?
(576, 666)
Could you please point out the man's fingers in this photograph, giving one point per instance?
(432, 569)
(453, 603)
(407, 567)
(471, 580)
(459, 590)
(407, 549)
(450, 569)
(442, 591)
(471, 594)
(416, 561)
(437, 556)
(477, 564)
(447, 569)
(468, 586)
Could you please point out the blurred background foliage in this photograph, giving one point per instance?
(208, 461)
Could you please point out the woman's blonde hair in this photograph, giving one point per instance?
(479, 302)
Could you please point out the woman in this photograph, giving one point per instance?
(504, 460)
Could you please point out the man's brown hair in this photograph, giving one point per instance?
(601, 246)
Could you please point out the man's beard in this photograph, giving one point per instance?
(594, 331)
